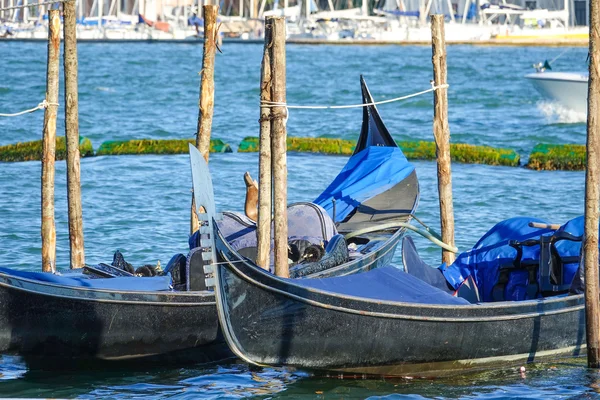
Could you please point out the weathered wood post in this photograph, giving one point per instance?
(592, 194)
(207, 81)
(279, 146)
(72, 137)
(49, 144)
(441, 133)
(263, 231)
(207, 92)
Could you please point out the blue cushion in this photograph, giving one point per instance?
(77, 279)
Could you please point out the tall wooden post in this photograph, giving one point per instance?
(49, 144)
(72, 137)
(441, 133)
(263, 231)
(279, 146)
(592, 195)
(206, 103)
(207, 81)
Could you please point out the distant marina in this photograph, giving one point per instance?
(522, 22)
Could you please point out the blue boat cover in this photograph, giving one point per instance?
(492, 251)
(368, 173)
(126, 283)
(386, 284)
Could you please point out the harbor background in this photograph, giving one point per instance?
(140, 204)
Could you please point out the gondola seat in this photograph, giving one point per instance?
(308, 224)
(518, 260)
(551, 274)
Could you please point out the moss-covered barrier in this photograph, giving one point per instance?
(32, 151)
(305, 145)
(551, 157)
(152, 146)
(462, 152)
(465, 153)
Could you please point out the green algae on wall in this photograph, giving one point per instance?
(32, 151)
(156, 146)
(421, 150)
(551, 157)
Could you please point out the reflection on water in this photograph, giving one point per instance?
(565, 379)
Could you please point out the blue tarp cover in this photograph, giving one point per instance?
(492, 251)
(134, 284)
(367, 174)
(385, 283)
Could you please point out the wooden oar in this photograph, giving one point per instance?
(544, 226)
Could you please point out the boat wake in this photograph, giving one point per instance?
(555, 112)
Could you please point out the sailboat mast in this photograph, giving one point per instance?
(466, 10)
(450, 10)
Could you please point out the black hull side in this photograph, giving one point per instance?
(50, 321)
(269, 321)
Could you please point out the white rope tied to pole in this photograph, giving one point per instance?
(33, 5)
(43, 104)
(287, 106)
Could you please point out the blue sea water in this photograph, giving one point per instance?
(140, 204)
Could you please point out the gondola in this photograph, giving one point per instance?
(116, 318)
(395, 323)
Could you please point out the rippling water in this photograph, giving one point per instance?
(139, 204)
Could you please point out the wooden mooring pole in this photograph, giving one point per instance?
(72, 137)
(207, 92)
(592, 194)
(263, 230)
(441, 133)
(207, 81)
(279, 146)
(49, 144)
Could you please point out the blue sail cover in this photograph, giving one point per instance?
(368, 173)
(492, 251)
(125, 283)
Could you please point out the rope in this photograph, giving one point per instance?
(43, 104)
(397, 225)
(33, 5)
(276, 104)
(558, 56)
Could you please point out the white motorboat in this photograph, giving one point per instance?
(569, 89)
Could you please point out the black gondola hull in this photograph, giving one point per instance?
(269, 321)
(55, 321)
